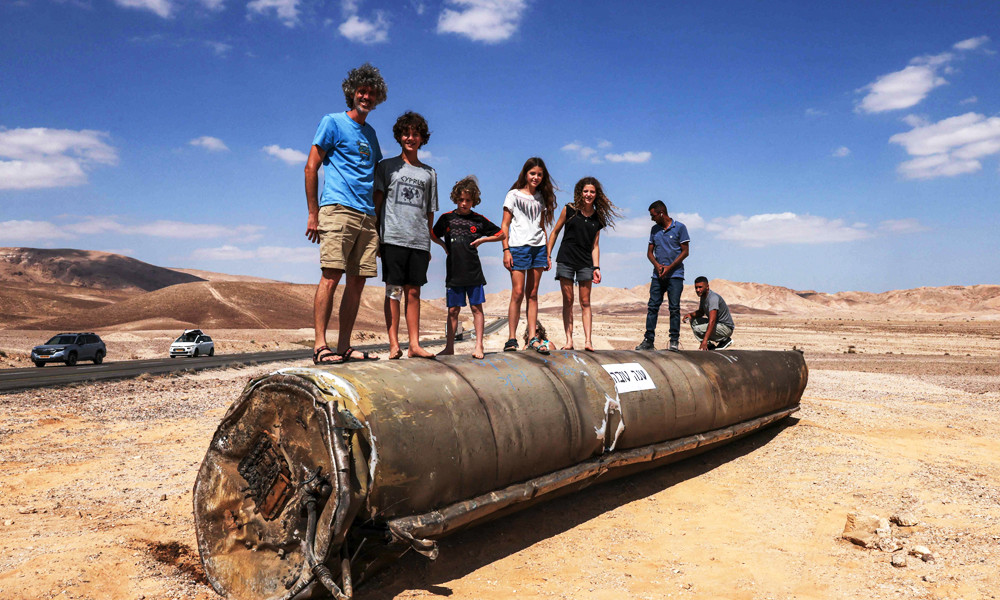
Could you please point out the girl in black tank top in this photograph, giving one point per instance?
(579, 254)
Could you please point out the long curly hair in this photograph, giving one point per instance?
(470, 184)
(364, 76)
(606, 211)
(546, 188)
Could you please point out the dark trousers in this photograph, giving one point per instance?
(672, 287)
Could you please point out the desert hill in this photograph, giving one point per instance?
(213, 276)
(89, 268)
(223, 304)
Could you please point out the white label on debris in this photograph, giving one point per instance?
(630, 377)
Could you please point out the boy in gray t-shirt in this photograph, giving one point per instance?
(405, 200)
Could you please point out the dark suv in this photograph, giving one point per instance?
(69, 348)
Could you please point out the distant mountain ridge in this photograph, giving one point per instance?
(81, 289)
(86, 268)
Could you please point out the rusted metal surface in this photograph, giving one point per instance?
(317, 473)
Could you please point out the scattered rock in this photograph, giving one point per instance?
(929, 578)
(8, 522)
(899, 559)
(163, 498)
(904, 519)
(923, 553)
(865, 530)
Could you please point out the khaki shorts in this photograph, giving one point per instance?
(348, 240)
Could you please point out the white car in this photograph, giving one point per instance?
(193, 342)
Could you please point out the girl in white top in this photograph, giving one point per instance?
(527, 210)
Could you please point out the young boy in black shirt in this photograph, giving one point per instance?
(462, 231)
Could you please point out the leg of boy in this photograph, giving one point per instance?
(566, 287)
(588, 317)
(449, 346)
(479, 320)
(413, 322)
(393, 294)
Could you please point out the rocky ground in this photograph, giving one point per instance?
(899, 418)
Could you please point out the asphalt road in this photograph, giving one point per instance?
(58, 374)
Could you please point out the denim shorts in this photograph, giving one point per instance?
(581, 275)
(456, 295)
(529, 257)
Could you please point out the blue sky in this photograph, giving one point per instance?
(827, 146)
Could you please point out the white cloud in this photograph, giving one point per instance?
(212, 144)
(582, 152)
(970, 100)
(949, 147)
(631, 157)
(971, 43)
(287, 11)
(909, 86)
(292, 157)
(901, 89)
(364, 31)
(603, 144)
(213, 5)
(272, 254)
(45, 158)
(220, 48)
(489, 21)
(815, 112)
(841, 152)
(426, 155)
(937, 165)
(638, 227)
(691, 220)
(902, 226)
(97, 226)
(915, 120)
(786, 228)
(162, 8)
(16, 232)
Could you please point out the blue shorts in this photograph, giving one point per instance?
(456, 295)
(529, 257)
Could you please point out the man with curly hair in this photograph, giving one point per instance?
(342, 218)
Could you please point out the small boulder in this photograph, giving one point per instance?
(904, 519)
(923, 553)
(864, 530)
(899, 559)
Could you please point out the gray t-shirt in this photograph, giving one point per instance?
(712, 301)
(410, 195)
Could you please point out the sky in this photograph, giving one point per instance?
(824, 146)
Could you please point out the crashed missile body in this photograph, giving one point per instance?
(317, 476)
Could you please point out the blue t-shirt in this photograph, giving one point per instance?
(667, 245)
(352, 152)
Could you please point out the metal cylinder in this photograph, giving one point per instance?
(382, 457)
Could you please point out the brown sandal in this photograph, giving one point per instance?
(322, 355)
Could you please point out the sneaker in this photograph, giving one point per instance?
(724, 344)
(646, 345)
(711, 346)
(674, 347)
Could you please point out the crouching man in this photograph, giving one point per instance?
(711, 323)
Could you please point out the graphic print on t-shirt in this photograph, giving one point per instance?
(410, 192)
(528, 206)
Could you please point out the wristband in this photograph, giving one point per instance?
(597, 268)
(506, 249)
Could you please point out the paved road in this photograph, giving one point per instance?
(57, 374)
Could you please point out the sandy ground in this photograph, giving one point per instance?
(95, 484)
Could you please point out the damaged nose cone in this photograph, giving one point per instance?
(316, 477)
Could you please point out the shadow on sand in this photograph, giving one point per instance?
(469, 550)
